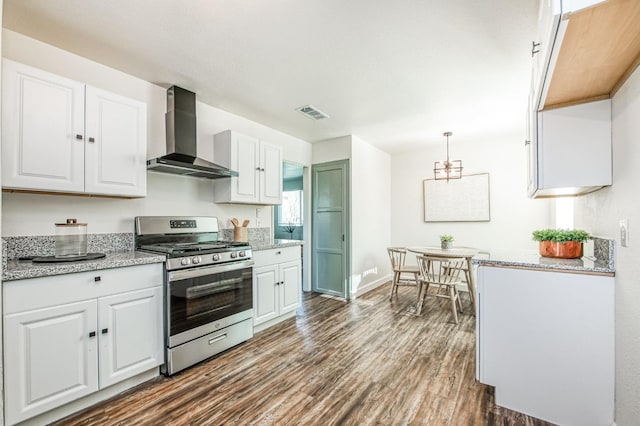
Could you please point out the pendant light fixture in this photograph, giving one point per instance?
(445, 170)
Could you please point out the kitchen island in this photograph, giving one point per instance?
(545, 336)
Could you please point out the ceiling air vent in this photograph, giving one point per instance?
(312, 112)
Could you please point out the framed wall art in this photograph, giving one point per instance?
(457, 200)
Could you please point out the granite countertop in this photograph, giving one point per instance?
(533, 260)
(271, 244)
(19, 270)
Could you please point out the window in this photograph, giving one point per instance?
(290, 211)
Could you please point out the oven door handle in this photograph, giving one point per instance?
(208, 270)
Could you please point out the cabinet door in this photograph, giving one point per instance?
(290, 287)
(549, 16)
(270, 174)
(579, 131)
(245, 159)
(50, 358)
(531, 145)
(265, 295)
(116, 144)
(130, 328)
(42, 130)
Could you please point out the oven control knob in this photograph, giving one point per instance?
(241, 254)
(196, 260)
(185, 261)
(216, 257)
(234, 254)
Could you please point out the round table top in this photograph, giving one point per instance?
(452, 252)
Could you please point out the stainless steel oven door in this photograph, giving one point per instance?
(216, 295)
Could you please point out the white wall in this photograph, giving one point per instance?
(332, 150)
(601, 212)
(27, 214)
(513, 215)
(370, 216)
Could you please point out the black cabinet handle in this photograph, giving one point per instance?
(79, 137)
(92, 334)
(98, 278)
(258, 168)
(533, 48)
(92, 140)
(105, 330)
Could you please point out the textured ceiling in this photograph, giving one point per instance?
(395, 73)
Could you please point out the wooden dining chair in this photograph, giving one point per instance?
(445, 275)
(405, 275)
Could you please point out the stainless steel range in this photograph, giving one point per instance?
(208, 290)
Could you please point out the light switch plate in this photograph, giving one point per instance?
(624, 233)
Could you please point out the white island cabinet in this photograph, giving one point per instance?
(60, 135)
(71, 336)
(545, 340)
(277, 276)
(259, 167)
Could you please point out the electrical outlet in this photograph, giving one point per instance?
(624, 233)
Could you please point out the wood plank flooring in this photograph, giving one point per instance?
(366, 362)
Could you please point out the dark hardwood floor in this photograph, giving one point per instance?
(365, 362)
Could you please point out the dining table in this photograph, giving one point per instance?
(455, 252)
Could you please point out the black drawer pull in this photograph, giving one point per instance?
(92, 334)
(105, 330)
(98, 278)
(79, 137)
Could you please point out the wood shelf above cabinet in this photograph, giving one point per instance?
(600, 50)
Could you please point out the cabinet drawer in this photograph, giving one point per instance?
(277, 255)
(42, 292)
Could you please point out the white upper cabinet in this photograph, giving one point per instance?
(116, 144)
(548, 22)
(570, 153)
(42, 130)
(59, 135)
(270, 174)
(583, 50)
(259, 167)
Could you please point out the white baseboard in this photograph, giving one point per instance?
(372, 285)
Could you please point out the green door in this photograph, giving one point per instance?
(330, 228)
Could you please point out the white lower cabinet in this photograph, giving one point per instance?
(276, 285)
(130, 338)
(545, 340)
(49, 358)
(56, 353)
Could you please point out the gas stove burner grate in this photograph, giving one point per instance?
(183, 248)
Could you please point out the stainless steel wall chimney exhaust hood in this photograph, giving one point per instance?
(181, 157)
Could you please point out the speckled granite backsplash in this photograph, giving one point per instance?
(255, 234)
(44, 245)
(604, 251)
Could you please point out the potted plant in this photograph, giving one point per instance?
(290, 228)
(561, 243)
(446, 241)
